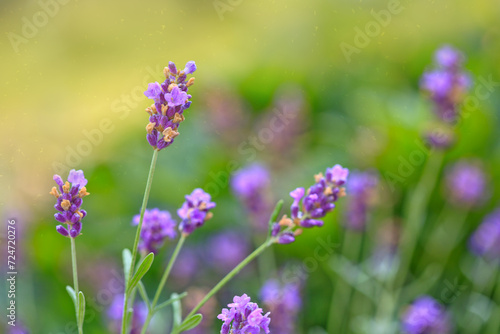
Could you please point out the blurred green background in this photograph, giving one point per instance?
(84, 65)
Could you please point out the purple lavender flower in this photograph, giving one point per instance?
(69, 202)
(251, 185)
(244, 317)
(485, 241)
(316, 203)
(284, 302)
(449, 58)
(447, 84)
(170, 101)
(195, 211)
(156, 226)
(425, 316)
(227, 249)
(362, 186)
(466, 183)
(115, 310)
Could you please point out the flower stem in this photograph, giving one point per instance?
(415, 220)
(137, 237)
(75, 281)
(229, 276)
(162, 283)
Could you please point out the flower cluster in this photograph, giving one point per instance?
(195, 211)
(156, 226)
(251, 185)
(361, 189)
(243, 317)
(466, 183)
(316, 203)
(69, 197)
(485, 241)
(226, 249)
(425, 316)
(447, 84)
(170, 101)
(284, 302)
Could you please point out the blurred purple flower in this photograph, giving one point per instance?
(316, 203)
(284, 303)
(226, 249)
(447, 84)
(448, 57)
(244, 317)
(115, 310)
(69, 201)
(466, 183)
(485, 241)
(157, 225)
(170, 101)
(195, 211)
(187, 265)
(425, 316)
(361, 191)
(251, 185)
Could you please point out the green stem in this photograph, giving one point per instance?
(335, 282)
(415, 219)
(162, 282)
(347, 310)
(137, 237)
(229, 276)
(75, 281)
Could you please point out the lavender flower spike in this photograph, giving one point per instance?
(284, 302)
(170, 100)
(308, 207)
(447, 84)
(244, 317)
(157, 225)
(466, 183)
(69, 197)
(251, 186)
(485, 241)
(195, 211)
(361, 190)
(425, 316)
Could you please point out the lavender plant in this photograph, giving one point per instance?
(154, 226)
(392, 293)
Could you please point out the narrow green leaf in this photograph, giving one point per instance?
(72, 294)
(81, 309)
(141, 271)
(170, 301)
(190, 323)
(177, 309)
(127, 263)
(144, 294)
(274, 216)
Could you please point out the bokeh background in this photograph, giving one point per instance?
(80, 70)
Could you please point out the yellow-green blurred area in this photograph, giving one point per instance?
(71, 89)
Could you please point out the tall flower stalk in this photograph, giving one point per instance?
(69, 197)
(165, 115)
